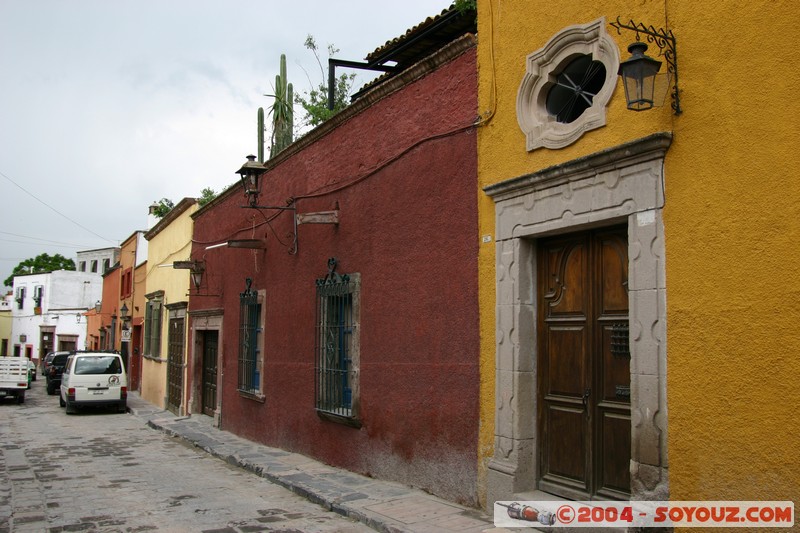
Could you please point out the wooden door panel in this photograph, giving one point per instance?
(565, 368)
(615, 443)
(615, 374)
(613, 264)
(566, 453)
(566, 361)
(567, 279)
(175, 364)
(613, 440)
(584, 364)
(209, 395)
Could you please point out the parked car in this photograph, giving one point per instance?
(31, 372)
(54, 370)
(94, 379)
(46, 362)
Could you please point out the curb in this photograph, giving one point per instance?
(363, 499)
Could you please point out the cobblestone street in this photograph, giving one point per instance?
(102, 471)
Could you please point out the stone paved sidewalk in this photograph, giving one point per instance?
(382, 505)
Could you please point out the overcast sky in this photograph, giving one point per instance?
(109, 105)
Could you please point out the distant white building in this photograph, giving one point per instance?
(47, 311)
(97, 261)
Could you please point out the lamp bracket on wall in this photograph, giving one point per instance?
(292, 236)
(250, 174)
(320, 217)
(665, 41)
(196, 270)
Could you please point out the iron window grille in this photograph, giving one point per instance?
(620, 345)
(38, 294)
(336, 344)
(20, 297)
(249, 332)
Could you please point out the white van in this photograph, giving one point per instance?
(94, 379)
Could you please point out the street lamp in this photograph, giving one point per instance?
(249, 174)
(639, 72)
(639, 77)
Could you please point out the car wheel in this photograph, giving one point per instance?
(21, 397)
(51, 390)
(61, 401)
(70, 409)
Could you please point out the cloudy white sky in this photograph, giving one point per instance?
(109, 105)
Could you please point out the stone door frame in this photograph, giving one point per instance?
(620, 184)
(200, 321)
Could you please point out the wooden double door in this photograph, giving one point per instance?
(175, 366)
(210, 343)
(584, 417)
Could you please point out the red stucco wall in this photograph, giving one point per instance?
(410, 230)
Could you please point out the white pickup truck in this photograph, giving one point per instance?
(13, 377)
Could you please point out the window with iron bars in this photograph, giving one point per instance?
(337, 345)
(250, 330)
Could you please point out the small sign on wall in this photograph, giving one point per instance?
(126, 335)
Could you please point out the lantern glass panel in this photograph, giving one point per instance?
(639, 92)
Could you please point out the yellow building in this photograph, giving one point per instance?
(165, 309)
(5, 323)
(639, 271)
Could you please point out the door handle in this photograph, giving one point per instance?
(585, 401)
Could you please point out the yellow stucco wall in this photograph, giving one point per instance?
(732, 223)
(170, 244)
(5, 329)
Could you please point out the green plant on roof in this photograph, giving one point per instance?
(282, 111)
(261, 129)
(315, 101)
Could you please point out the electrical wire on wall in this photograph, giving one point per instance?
(325, 190)
(157, 264)
(383, 164)
(487, 115)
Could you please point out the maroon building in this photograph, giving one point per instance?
(353, 336)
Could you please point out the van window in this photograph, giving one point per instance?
(98, 365)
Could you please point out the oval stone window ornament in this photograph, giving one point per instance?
(567, 85)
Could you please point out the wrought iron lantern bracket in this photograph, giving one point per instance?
(250, 173)
(293, 235)
(665, 41)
